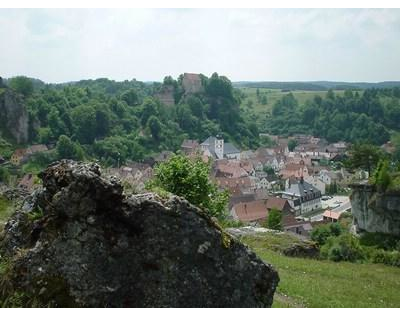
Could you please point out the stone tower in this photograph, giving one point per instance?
(219, 147)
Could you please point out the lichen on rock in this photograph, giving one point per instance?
(92, 246)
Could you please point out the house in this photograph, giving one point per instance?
(303, 197)
(216, 148)
(303, 228)
(247, 154)
(36, 149)
(257, 211)
(245, 184)
(294, 170)
(330, 216)
(230, 170)
(18, 156)
(192, 83)
(241, 198)
(316, 182)
(330, 177)
(190, 146)
(27, 182)
(250, 212)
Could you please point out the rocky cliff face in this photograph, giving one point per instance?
(14, 118)
(375, 211)
(80, 242)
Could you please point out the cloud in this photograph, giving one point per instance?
(59, 45)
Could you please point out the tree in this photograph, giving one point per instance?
(382, 176)
(190, 179)
(4, 174)
(292, 143)
(274, 220)
(84, 118)
(67, 149)
(22, 85)
(154, 125)
(130, 97)
(364, 156)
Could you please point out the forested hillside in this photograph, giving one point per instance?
(113, 121)
(368, 116)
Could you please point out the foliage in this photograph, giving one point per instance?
(190, 179)
(292, 144)
(351, 117)
(345, 247)
(364, 156)
(321, 233)
(22, 85)
(381, 176)
(274, 219)
(67, 149)
(4, 174)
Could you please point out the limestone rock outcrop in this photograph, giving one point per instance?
(375, 211)
(80, 241)
(14, 118)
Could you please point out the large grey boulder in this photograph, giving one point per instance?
(80, 242)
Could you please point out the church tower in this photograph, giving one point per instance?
(219, 147)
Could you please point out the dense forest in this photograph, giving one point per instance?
(370, 116)
(118, 121)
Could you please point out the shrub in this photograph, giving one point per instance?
(391, 258)
(321, 233)
(345, 247)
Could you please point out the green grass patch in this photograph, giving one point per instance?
(320, 283)
(6, 209)
(274, 95)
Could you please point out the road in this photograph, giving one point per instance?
(338, 204)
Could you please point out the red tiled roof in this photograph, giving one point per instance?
(278, 203)
(331, 214)
(251, 211)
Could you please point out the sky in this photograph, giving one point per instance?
(60, 45)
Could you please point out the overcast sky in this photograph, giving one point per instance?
(61, 45)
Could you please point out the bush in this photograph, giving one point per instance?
(321, 233)
(391, 258)
(345, 247)
(380, 240)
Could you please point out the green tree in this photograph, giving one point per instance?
(4, 174)
(67, 149)
(154, 126)
(22, 85)
(130, 97)
(84, 118)
(292, 143)
(382, 176)
(274, 220)
(190, 179)
(364, 156)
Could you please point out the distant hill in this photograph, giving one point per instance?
(315, 85)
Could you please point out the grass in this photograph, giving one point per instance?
(318, 283)
(274, 95)
(6, 209)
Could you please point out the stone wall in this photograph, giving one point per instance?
(375, 211)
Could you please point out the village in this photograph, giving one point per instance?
(307, 184)
(301, 176)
